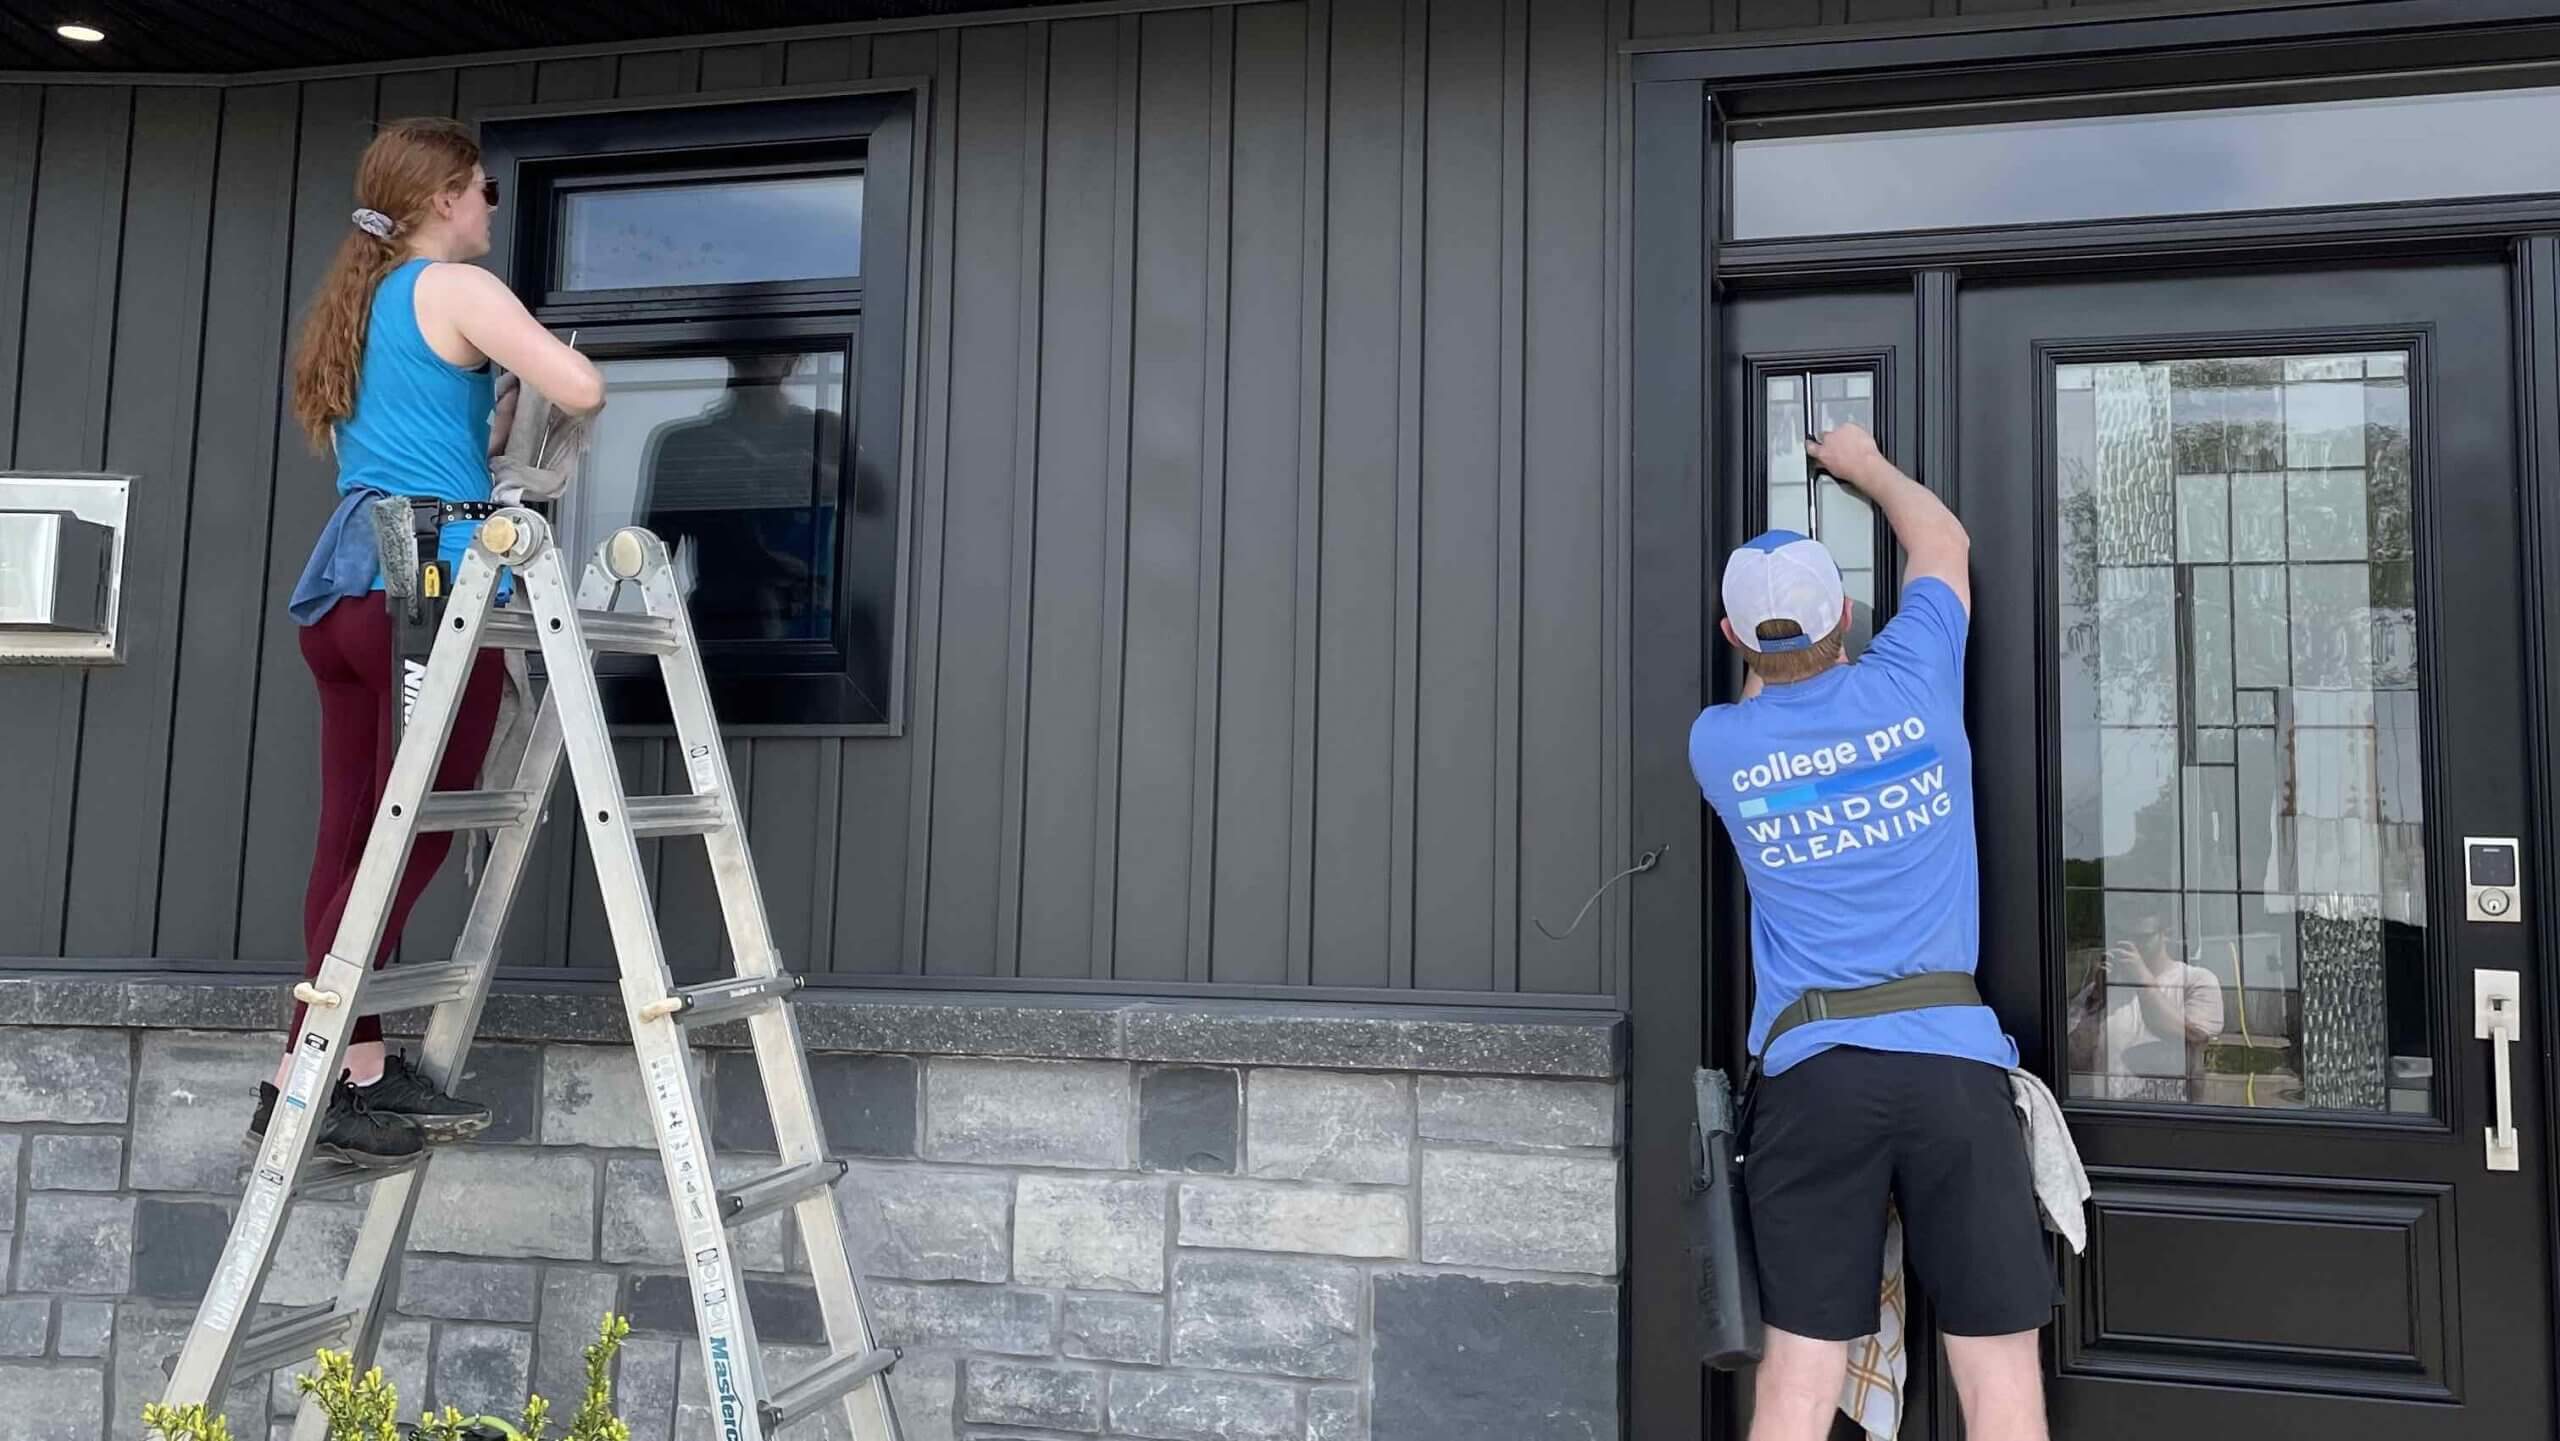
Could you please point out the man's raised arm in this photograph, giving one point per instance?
(1933, 540)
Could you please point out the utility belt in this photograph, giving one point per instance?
(408, 534)
(1728, 1282)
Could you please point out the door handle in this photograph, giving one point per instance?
(2495, 1000)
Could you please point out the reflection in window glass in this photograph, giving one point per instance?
(2108, 167)
(724, 232)
(2243, 831)
(736, 462)
(1801, 498)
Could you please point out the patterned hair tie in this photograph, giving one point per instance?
(374, 223)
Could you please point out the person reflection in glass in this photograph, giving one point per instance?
(2140, 1025)
(744, 494)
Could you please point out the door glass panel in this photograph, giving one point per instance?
(1801, 498)
(2243, 826)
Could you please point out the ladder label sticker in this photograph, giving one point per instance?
(724, 1382)
(701, 766)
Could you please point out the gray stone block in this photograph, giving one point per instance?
(311, 1257)
(469, 1290)
(644, 1390)
(59, 1073)
(1113, 1328)
(591, 1096)
(927, 1225)
(500, 1202)
(1008, 1393)
(640, 1223)
(1290, 1034)
(146, 1335)
(76, 1163)
(1521, 1213)
(1187, 1119)
(573, 1305)
(191, 1104)
(1202, 1408)
(78, 1245)
(1091, 1234)
(1512, 1111)
(1027, 1113)
(87, 1329)
(486, 1370)
(1323, 1126)
(1249, 1313)
(786, 1312)
(176, 1245)
(10, 1146)
(507, 1080)
(1260, 1216)
(1459, 1356)
(53, 1403)
(26, 1323)
(866, 1104)
(1333, 1414)
(978, 1318)
(925, 1389)
(402, 1355)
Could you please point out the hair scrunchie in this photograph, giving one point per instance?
(374, 223)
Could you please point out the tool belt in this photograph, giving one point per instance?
(407, 531)
(1728, 1281)
(1903, 993)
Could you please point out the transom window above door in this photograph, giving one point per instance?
(2243, 825)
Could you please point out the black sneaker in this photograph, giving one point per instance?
(404, 1090)
(353, 1131)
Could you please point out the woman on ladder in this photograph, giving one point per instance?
(394, 376)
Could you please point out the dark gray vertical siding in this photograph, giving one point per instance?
(159, 314)
(1564, 698)
(67, 348)
(1356, 588)
(1068, 521)
(212, 726)
(1255, 773)
(1462, 470)
(1258, 618)
(1160, 637)
(978, 510)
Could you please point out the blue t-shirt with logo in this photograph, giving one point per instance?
(1849, 797)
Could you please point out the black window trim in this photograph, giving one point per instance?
(878, 316)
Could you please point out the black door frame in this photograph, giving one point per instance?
(1683, 94)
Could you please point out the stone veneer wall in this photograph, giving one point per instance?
(1274, 1223)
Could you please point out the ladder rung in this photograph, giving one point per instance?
(400, 988)
(767, 1194)
(829, 1380)
(320, 1177)
(472, 810)
(604, 630)
(717, 1001)
(674, 815)
(292, 1340)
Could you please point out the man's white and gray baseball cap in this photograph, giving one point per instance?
(1780, 575)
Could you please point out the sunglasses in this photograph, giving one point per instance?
(489, 192)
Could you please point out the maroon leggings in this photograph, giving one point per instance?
(349, 652)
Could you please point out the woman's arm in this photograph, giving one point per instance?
(478, 309)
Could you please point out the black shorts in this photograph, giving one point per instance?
(1834, 1137)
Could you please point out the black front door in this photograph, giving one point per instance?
(2248, 697)
(2246, 685)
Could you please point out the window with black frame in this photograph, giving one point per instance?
(738, 273)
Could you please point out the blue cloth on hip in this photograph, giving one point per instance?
(344, 561)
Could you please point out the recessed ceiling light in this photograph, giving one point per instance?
(85, 34)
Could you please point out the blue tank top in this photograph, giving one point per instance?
(420, 428)
(421, 422)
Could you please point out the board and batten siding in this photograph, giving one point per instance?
(1260, 617)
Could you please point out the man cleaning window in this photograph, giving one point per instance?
(1847, 790)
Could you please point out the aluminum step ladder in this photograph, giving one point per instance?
(569, 629)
